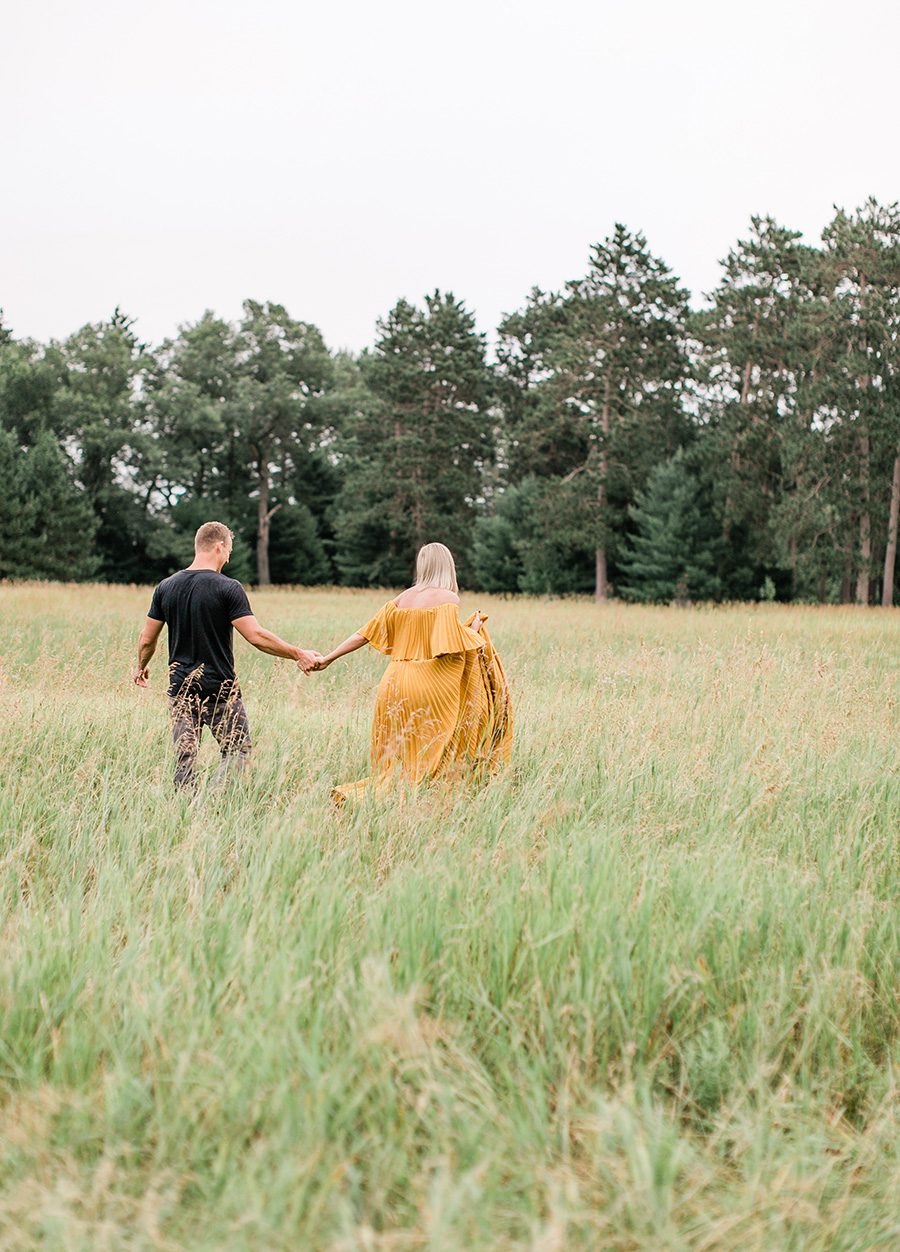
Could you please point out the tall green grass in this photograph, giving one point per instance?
(640, 992)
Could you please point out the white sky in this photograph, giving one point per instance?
(174, 156)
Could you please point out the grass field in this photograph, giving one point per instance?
(639, 992)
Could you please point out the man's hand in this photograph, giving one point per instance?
(308, 661)
(140, 675)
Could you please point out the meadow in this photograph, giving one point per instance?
(639, 992)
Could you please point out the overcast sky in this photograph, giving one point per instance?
(170, 157)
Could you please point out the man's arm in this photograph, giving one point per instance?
(265, 641)
(146, 647)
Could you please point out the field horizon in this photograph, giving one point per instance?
(640, 991)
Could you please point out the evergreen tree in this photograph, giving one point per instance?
(533, 540)
(416, 443)
(27, 390)
(858, 389)
(675, 552)
(497, 563)
(315, 477)
(297, 554)
(171, 544)
(628, 361)
(12, 461)
(191, 383)
(605, 362)
(46, 522)
(238, 413)
(758, 363)
(283, 366)
(195, 467)
(100, 415)
(542, 435)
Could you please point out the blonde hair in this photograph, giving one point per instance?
(435, 567)
(211, 533)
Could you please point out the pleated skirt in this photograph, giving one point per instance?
(436, 718)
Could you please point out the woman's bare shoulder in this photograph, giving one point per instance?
(425, 598)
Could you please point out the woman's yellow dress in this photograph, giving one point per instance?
(443, 707)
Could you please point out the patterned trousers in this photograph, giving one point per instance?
(224, 713)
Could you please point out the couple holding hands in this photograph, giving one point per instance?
(442, 709)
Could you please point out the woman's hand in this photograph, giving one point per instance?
(349, 645)
(477, 622)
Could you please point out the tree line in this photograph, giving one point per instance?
(617, 442)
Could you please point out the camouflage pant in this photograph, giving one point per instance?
(224, 713)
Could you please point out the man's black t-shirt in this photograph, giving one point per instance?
(198, 606)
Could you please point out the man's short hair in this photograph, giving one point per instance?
(211, 533)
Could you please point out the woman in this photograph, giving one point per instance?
(443, 707)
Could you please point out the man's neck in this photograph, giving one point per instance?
(200, 562)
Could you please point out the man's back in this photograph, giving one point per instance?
(198, 606)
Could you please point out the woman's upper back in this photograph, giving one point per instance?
(425, 598)
(411, 628)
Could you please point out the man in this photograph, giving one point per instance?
(200, 606)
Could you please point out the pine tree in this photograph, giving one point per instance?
(497, 563)
(674, 552)
(758, 360)
(533, 540)
(12, 462)
(27, 390)
(416, 442)
(283, 367)
(46, 522)
(593, 380)
(100, 414)
(190, 384)
(170, 545)
(858, 394)
(225, 401)
(297, 554)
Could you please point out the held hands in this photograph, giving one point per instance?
(308, 661)
(320, 662)
(311, 662)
